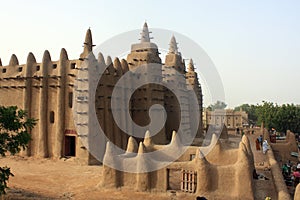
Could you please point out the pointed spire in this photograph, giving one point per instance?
(175, 140)
(199, 153)
(141, 148)
(109, 151)
(173, 46)
(117, 66)
(145, 34)
(191, 65)
(63, 61)
(88, 42)
(108, 61)
(124, 66)
(200, 157)
(132, 145)
(101, 58)
(245, 140)
(13, 60)
(63, 54)
(46, 57)
(148, 139)
(110, 155)
(30, 59)
(109, 65)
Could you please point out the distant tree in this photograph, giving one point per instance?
(287, 117)
(282, 118)
(250, 110)
(217, 105)
(266, 114)
(14, 135)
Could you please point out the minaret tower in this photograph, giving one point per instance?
(145, 53)
(173, 72)
(173, 46)
(192, 80)
(145, 34)
(173, 58)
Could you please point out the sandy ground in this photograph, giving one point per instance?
(67, 179)
(59, 179)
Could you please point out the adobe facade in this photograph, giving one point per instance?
(213, 171)
(46, 91)
(230, 118)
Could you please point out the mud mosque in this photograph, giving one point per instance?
(219, 169)
(46, 91)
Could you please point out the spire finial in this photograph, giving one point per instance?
(13, 60)
(147, 139)
(108, 61)
(191, 65)
(88, 44)
(145, 34)
(30, 58)
(141, 149)
(101, 58)
(124, 66)
(132, 146)
(46, 57)
(63, 54)
(173, 46)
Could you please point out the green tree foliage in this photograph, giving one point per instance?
(217, 105)
(282, 118)
(14, 136)
(250, 110)
(266, 113)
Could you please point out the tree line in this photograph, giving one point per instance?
(280, 117)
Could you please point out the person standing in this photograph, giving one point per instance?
(296, 175)
(265, 146)
(260, 140)
(257, 143)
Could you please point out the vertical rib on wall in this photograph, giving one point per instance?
(58, 142)
(42, 150)
(31, 62)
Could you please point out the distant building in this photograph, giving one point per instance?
(232, 119)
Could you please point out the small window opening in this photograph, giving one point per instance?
(70, 99)
(192, 156)
(73, 65)
(51, 117)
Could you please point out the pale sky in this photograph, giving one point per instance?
(255, 45)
